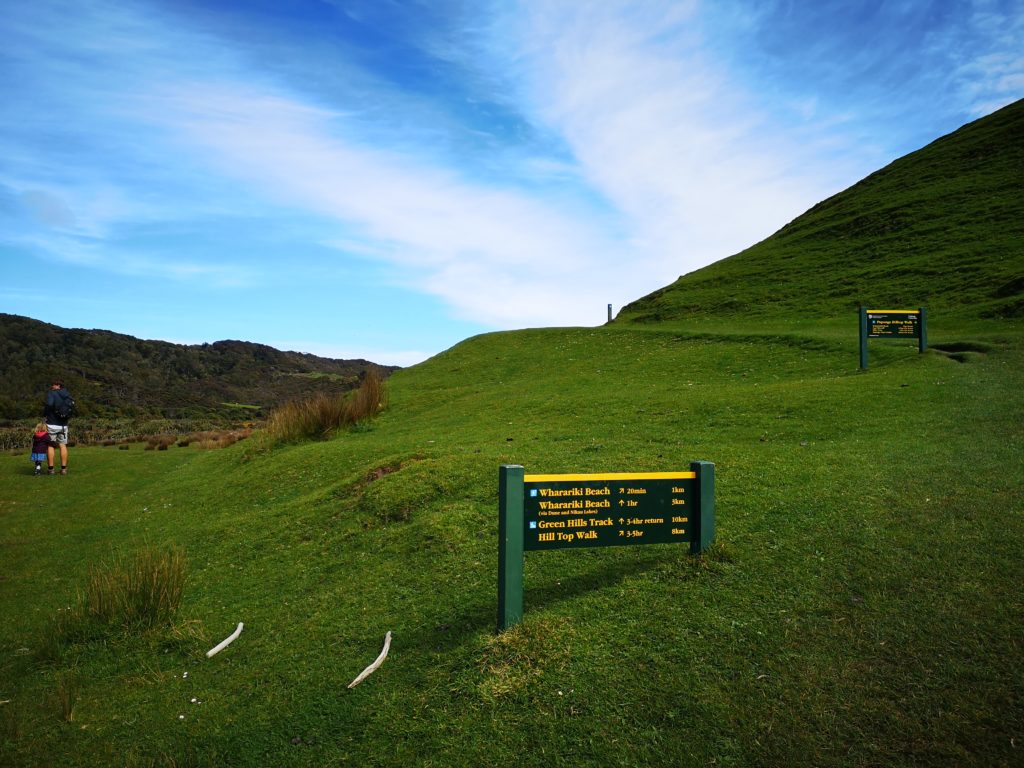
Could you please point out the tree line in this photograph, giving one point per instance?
(113, 375)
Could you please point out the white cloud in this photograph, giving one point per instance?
(493, 253)
(661, 130)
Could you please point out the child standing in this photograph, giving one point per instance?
(40, 443)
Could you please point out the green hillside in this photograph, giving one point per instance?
(941, 227)
(861, 604)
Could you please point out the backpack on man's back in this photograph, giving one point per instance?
(65, 408)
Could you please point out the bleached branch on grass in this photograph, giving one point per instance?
(226, 642)
(373, 667)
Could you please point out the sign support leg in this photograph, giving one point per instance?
(922, 338)
(510, 545)
(705, 517)
(863, 338)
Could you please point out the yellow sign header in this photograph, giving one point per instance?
(610, 476)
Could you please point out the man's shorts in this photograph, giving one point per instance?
(57, 433)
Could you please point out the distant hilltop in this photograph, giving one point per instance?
(113, 375)
(942, 226)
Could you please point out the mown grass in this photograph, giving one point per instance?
(860, 606)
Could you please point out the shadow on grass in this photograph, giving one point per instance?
(459, 626)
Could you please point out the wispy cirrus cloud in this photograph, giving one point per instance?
(990, 73)
(660, 130)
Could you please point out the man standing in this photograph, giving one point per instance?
(59, 407)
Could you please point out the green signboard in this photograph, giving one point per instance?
(892, 324)
(899, 323)
(607, 510)
(540, 512)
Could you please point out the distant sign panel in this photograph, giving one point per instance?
(900, 323)
(606, 510)
(892, 324)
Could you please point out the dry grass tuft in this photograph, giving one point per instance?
(67, 695)
(212, 440)
(143, 591)
(519, 657)
(324, 413)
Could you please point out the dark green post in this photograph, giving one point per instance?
(863, 337)
(705, 533)
(510, 545)
(922, 339)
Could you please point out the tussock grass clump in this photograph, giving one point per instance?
(324, 413)
(212, 440)
(66, 695)
(160, 442)
(518, 658)
(143, 591)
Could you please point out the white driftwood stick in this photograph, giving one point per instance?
(226, 642)
(373, 667)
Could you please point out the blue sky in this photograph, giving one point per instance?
(384, 178)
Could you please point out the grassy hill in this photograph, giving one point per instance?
(861, 605)
(113, 375)
(941, 227)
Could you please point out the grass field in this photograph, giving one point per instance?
(861, 605)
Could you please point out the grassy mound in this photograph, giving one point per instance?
(941, 227)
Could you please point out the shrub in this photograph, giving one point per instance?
(324, 413)
(213, 440)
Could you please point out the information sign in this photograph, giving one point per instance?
(607, 510)
(892, 324)
(539, 512)
(901, 323)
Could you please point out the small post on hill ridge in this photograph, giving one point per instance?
(609, 313)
